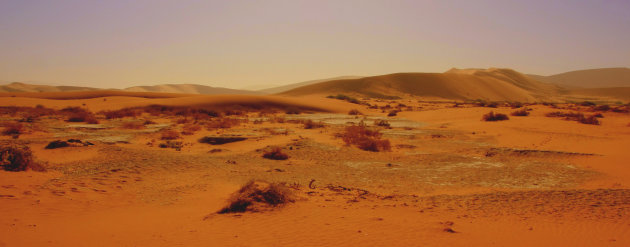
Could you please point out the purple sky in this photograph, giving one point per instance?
(240, 43)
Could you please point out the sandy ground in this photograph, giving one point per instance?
(450, 180)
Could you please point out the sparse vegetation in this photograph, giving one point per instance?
(520, 113)
(310, 124)
(257, 196)
(382, 123)
(14, 129)
(345, 97)
(170, 135)
(576, 116)
(392, 113)
(293, 111)
(365, 139)
(190, 129)
(177, 145)
(78, 114)
(491, 117)
(354, 112)
(275, 153)
(17, 158)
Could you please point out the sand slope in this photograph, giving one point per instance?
(24, 87)
(490, 84)
(590, 78)
(188, 89)
(285, 88)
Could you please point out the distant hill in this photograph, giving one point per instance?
(18, 87)
(589, 78)
(490, 84)
(280, 89)
(188, 89)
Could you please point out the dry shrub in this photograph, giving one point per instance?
(258, 196)
(275, 153)
(177, 145)
(122, 113)
(310, 124)
(293, 110)
(133, 125)
(17, 158)
(223, 123)
(602, 108)
(365, 139)
(491, 116)
(354, 112)
(78, 114)
(520, 113)
(587, 103)
(190, 129)
(13, 129)
(382, 123)
(392, 113)
(169, 135)
(589, 120)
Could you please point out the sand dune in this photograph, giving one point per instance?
(590, 78)
(613, 93)
(113, 100)
(490, 84)
(24, 87)
(285, 88)
(188, 89)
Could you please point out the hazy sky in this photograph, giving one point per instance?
(238, 43)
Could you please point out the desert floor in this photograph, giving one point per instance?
(450, 179)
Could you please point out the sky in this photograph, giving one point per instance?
(237, 44)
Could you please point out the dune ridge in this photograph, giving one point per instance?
(455, 84)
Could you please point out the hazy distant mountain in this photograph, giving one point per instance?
(18, 87)
(589, 78)
(188, 89)
(284, 88)
(491, 84)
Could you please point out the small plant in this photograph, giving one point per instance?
(17, 158)
(257, 196)
(275, 153)
(491, 116)
(293, 110)
(170, 135)
(310, 124)
(589, 120)
(392, 113)
(354, 112)
(177, 145)
(345, 97)
(365, 139)
(382, 123)
(78, 114)
(14, 129)
(520, 113)
(57, 144)
(190, 129)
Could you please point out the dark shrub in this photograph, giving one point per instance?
(13, 129)
(293, 110)
(382, 123)
(344, 97)
(275, 153)
(587, 103)
(520, 113)
(392, 113)
(602, 108)
(190, 129)
(17, 158)
(257, 196)
(310, 124)
(365, 139)
(491, 116)
(57, 144)
(219, 140)
(177, 145)
(354, 112)
(589, 120)
(170, 135)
